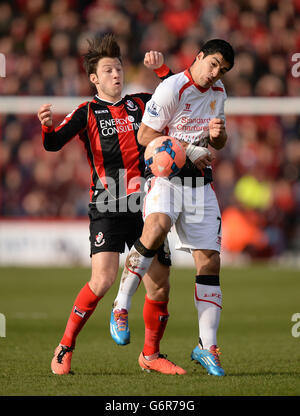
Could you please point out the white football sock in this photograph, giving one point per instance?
(136, 266)
(129, 283)
(208, 302)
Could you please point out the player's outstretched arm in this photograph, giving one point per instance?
(55, 138)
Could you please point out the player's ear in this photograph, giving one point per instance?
(200, 56)
(94, 79)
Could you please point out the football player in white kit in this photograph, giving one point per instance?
(190, 107)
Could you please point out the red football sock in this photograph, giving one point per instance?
(155, 317)
(83, 307)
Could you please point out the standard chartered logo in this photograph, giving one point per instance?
(2, 325)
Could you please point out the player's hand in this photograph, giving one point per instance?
(200, 156)
(204, 161)
(153, 59)
(45, 115)
(216, 128)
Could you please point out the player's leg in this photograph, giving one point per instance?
(199, 231)
(157, 286)
(155, 314)
(129, 283)
(105, 249)
(208, 296)
(104, 271)
(208, 302)
(139, 258)
(136, 265)
(156, 282)
(128, 286)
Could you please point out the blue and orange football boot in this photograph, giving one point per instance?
(209, 359)
(119, 326)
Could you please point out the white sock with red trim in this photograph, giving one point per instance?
(136, 266)
(208, 302)
(129, 283)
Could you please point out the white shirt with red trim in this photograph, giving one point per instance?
(182, 109)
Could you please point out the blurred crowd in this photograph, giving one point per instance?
(256, 175)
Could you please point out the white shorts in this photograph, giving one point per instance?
(194, 212)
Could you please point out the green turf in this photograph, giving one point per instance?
(259, 353)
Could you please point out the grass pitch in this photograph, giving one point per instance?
(259, 353)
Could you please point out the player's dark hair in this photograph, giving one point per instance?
(219, 46)
(105, 47)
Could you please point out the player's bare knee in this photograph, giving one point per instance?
(164, 290)
(156, 281)
(160, 292)
(101, 281)
(153, 236)
(207, 262)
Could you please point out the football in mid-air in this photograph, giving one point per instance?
(164, 156)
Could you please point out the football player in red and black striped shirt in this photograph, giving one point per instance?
(107, 126)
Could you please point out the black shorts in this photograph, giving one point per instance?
(112, 233)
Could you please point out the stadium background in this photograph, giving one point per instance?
(256, 175)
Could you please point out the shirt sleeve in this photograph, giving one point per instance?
(72, 124)
(160, 109)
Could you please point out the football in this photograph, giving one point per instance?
(164, 156)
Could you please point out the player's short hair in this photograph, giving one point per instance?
(105, 47)
(219, 46)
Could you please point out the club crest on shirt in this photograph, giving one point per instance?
(131, 105)
(99, 239)
(212, 106)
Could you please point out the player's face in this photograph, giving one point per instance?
(207, 70)
(109, 79)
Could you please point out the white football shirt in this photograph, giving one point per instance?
(182, 109)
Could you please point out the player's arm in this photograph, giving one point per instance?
(55, 138)
(217, 133)
(146, 134)
(155, 60)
